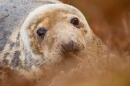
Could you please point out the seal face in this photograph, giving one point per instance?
(51, 32)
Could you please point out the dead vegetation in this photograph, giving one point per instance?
(115, 72)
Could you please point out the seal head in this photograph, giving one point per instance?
(51, 32)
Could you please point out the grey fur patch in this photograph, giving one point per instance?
(15, 44)
(17, 38)
(16, 62)
(18, 41)
(28, 59)
(6, 54)
(3, 18)
(5, 61)
(12, 45)
(2, 44)
(4, 38)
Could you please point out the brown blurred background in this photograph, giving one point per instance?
(110, 20)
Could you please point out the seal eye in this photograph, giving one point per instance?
(75, 21)
(41, 32)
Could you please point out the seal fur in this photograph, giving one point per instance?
(22, 50)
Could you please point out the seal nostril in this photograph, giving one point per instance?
(67, 47)
(71, 46)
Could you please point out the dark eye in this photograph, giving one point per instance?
(75, 21)
(41, 32)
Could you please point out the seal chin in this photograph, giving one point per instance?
(71, 60)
